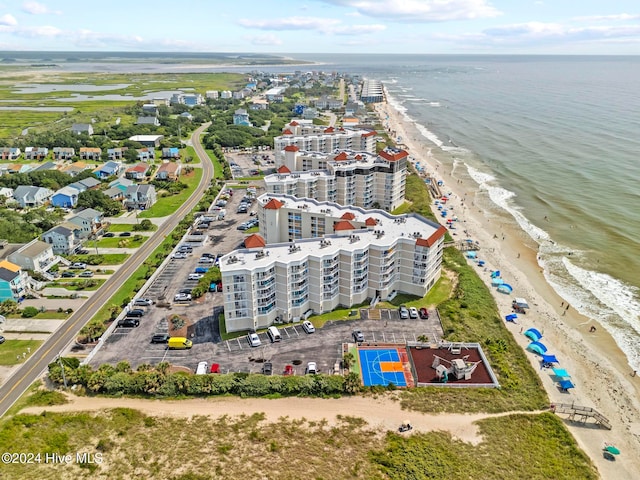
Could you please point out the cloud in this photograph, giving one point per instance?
(421, 11)
(327, 26)
(8, 20)
(268, 39)
(35, 8)
(605, 18)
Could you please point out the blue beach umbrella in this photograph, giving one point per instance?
(561, 372)
(495, 273)
(537, 347)
(511, 317)
(505, 288)
(566, 384)
(497, 281)
(549, 359)
(533, 334)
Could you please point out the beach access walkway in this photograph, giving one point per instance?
(581, 414)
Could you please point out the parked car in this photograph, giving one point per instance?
(129, 323)
(186, 291)
(78, 265)
(125, 234)
(424, 313)
(308, 327)
(267, 368)
(179, 255)
(207, 255)
(253, 213)
(288, 370)
(185, 248)
(160, 338)
(109, 235)
(143, 302)
(312, 368)
(242, 209)
(86, 274)
(1, 339)
(207, 259)
(68, 274)
(358, 336)
(413, 312)
(136, 312)
(404, 312)
(195, 276)
(254, 340)
(243, 226)
(182, 297)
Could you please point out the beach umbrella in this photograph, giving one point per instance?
(535, 332)
(505, 288)
(549, 359)
(537, 347)
(495, 273)
(531, 336)
(497, 281)
(611, 449)
(511, 317)
(471, 254)
(561, 372)
(566, 384)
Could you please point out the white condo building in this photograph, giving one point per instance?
(349, 178)
(318, 138)
(316, 256)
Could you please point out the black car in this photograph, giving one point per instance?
(186, 291)
(125, 234)
(68, 274)
(136, 312)
(129, 322)
(267, 368)
(109, 234)
(160, 338)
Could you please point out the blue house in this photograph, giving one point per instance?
(108, 169)
(66, 197)
(241, 117)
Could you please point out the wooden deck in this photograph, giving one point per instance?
(581, 414)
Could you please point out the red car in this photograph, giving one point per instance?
(424, 313)
(288, 370)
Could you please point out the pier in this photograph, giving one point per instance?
(581, 414)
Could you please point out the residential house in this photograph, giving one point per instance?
(121, 183)
(79, 128)
(328, 103)
(29, 196)
(148, 121)
(259, 104)
(226, 94)
(160, 101)
(171, 152)
(146, 155)
(89, 183)
(13, 281)
(18, 168)
(310, 113)
(45, 166)
(137, 172)
(9, 153)
(107, 170)
(169, 171)
(114, 193)
(63, 153)
(36, 256)
(152, 141)
(241, 117)
(90, 223)
(140, 197)
(239, 95)
(66, 197)
(187, 116)
(6, 192)
(74, 169)
(116, 154)
(192, 99)
(150, 109)
(90, 153)
(62, 238)
(275, 94)
(35, 153)
(212, 94)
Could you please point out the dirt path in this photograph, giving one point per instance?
(383, 414)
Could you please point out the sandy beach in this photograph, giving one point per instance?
(598, 367)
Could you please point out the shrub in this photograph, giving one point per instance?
(29, 312)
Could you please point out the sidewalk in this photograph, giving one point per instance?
(27, 325)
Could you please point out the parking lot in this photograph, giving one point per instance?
(246, 164)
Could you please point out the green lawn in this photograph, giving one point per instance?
(252, 230)
(438, 294)
(168, 205)
(128, 227)
(338, 314)
(121, 242)
(81, 284)
(11, 349)
(47, 314)
(218, 169)
(105, 258)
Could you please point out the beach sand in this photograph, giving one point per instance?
(598, 367)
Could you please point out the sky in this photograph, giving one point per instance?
(324, 26)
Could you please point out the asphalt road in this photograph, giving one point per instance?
(35, 365)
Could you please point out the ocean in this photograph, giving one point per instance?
(551, 141)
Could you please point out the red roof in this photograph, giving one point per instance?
(291, 148)
(294, 123)
(348, 216)
(283, 169)
(343, 225)
(428, 242)
(328, 130)
(169, 167)
(254, 241)
(368, 134)
(341, 156)
(141, 167)
(287, 132)
(358, 157)
(273, 204)
(370, 221)
(393, 156)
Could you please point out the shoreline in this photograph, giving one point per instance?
(598, 366)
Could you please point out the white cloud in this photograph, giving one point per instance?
(421, 11)
(605, 18)
(268, 39)
(357, 29)
(290, 23)
(8, 20)
(36, 8)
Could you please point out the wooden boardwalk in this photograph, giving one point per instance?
(581, 414)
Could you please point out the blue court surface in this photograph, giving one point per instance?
(381, 367)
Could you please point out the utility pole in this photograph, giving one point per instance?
(64, 379)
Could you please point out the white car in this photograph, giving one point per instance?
(413, 312)
(195, 276)
(308, 327)
(404, 312)
(182, 297)
(202, 368)
(143, 302)
(312, 368)
(254, 340)
(179, 255)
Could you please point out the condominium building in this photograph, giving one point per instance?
(318, 138)
(316, 256)
(349, 178)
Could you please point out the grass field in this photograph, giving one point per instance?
(81, 284)
(47, 314)
(10, 350)
(217, 166)
(168, 205)
(121, 242)
(127, 227)
(107, 258)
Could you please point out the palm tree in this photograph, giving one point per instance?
(423, 339)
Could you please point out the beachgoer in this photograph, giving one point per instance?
(634, 373)
(567, 307)
(592, 329)
(518, 255)
(562, 305)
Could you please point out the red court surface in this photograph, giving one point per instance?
(422, 359)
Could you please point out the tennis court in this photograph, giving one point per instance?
(381, 366)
